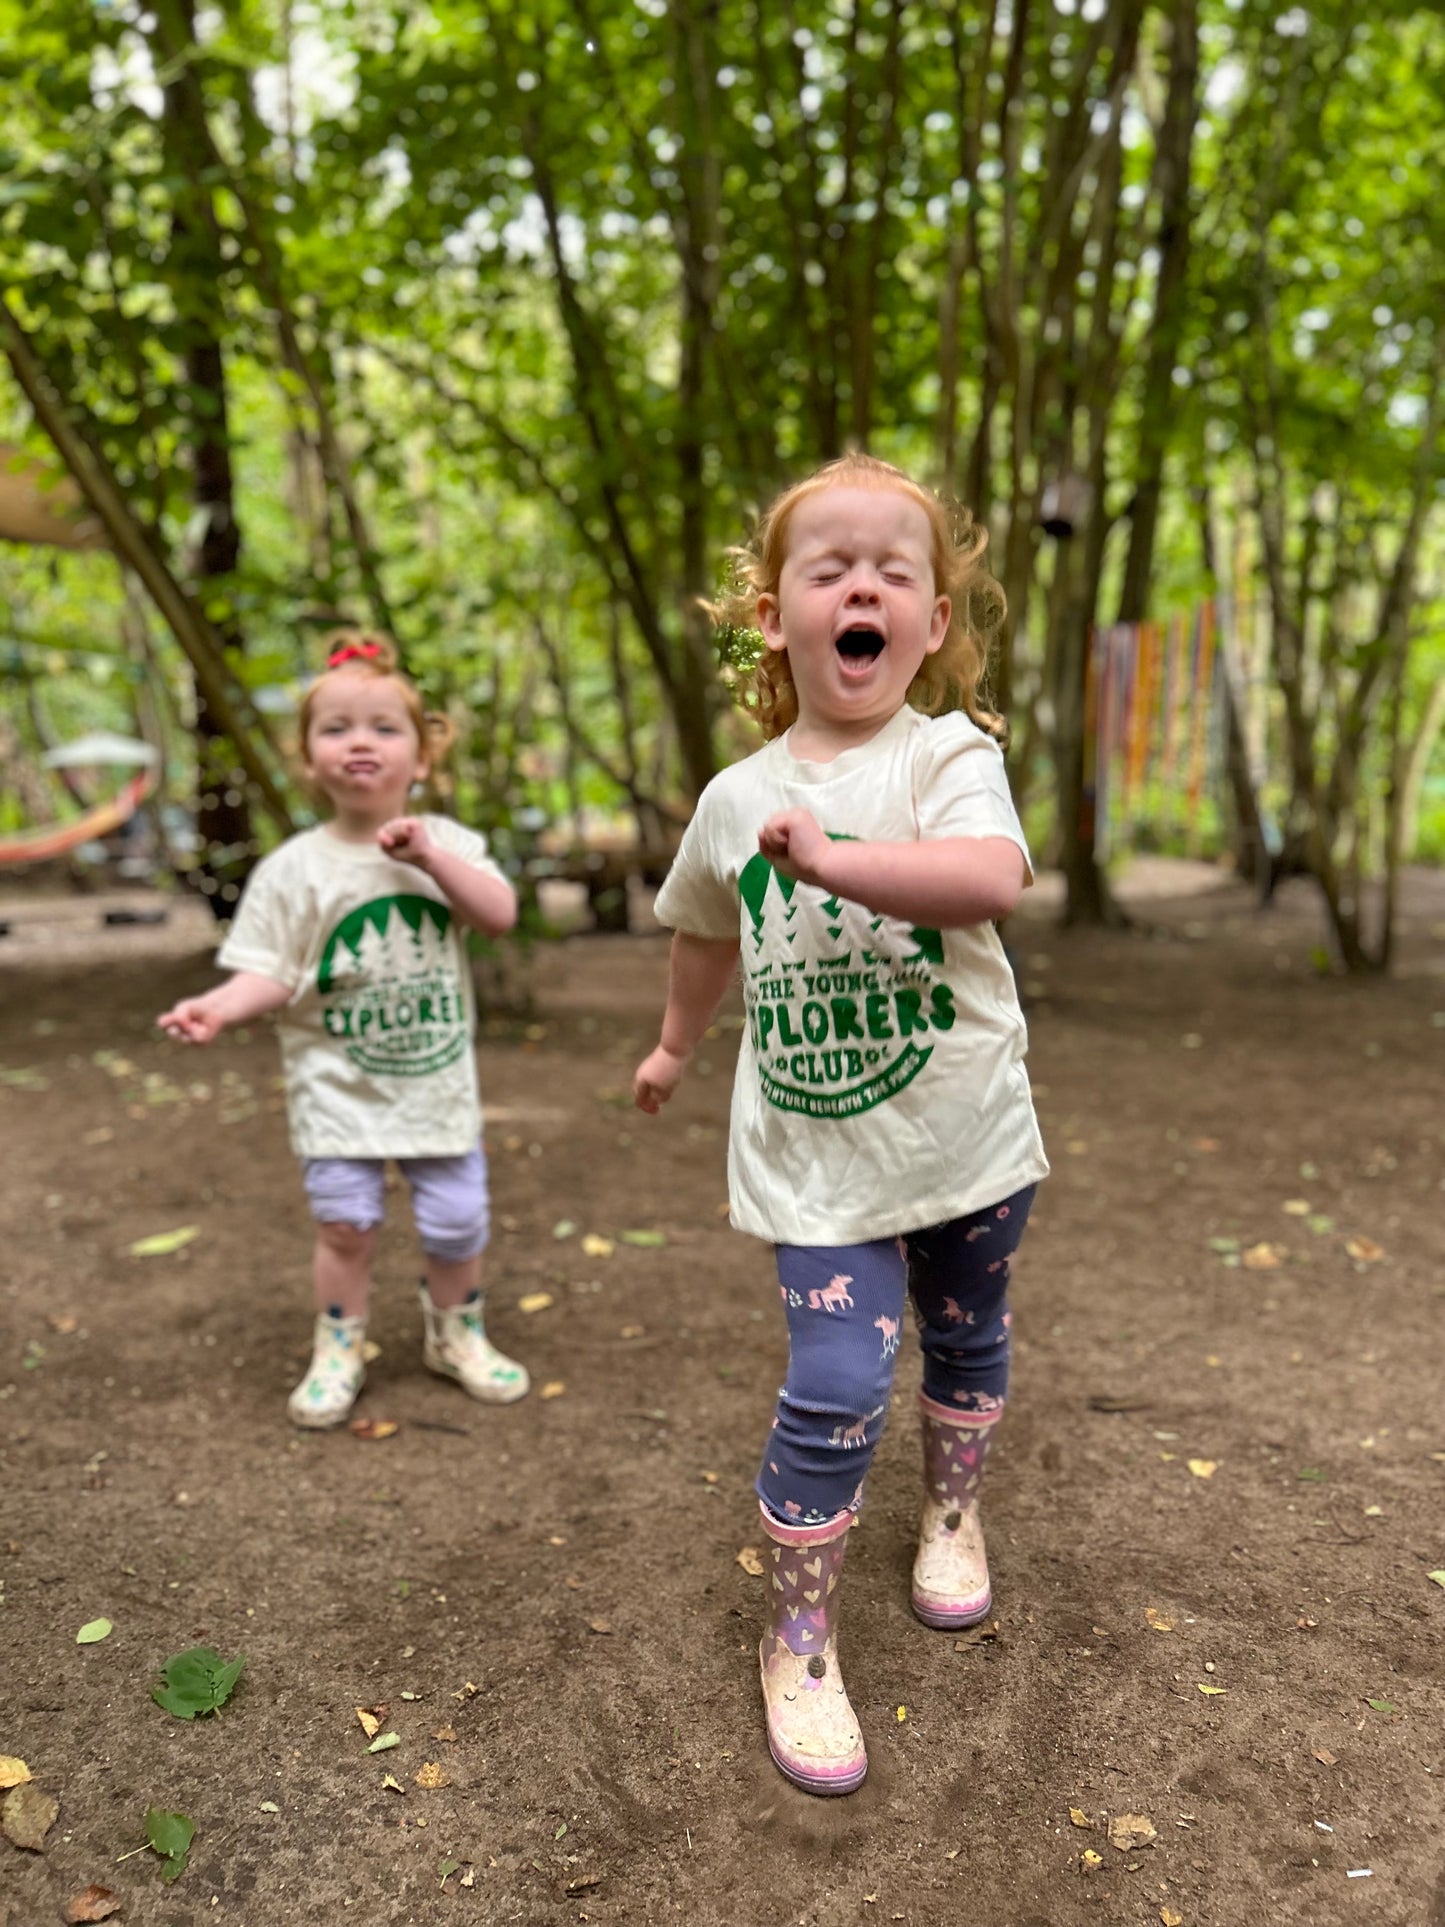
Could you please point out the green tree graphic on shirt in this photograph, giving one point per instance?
(390, 990)
(836, 1031)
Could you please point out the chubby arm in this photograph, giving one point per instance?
(701, 969)
(200, 1020)
(946, 882)
(480, 900)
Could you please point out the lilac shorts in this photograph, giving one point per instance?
(448, 1198)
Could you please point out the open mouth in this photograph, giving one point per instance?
(859, 646)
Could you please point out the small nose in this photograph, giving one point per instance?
(863, 587)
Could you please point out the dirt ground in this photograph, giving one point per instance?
(1213, 1514)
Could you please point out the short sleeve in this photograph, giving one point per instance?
(469, 845)
(696, 898)
(267, 933)
(961, 786)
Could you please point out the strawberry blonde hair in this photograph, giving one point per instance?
(952, 677)
(365, 652)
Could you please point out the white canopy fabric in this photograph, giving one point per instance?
(102, 748)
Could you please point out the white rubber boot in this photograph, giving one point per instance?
(456, 1346)
(327, 1393)
(813, 1732)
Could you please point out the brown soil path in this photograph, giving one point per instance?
(556, 1584)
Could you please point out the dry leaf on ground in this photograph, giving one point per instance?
(15, 1772)
(96, 1903)
(596, 1247)
(535, 1301)
(371, 1718)
(554, 1388)
(750, 1559)
(1263, 1257)
(1079, 1818)
(598, 1626)
(1130, 1830)
(430, 1775)
(27, 1814)
(374, 1428)
(390, 1784)
(64, 1322)
(1204, 1468)
(1325, 1757)
(1088, 1860)
(1364, 1250)
(447, 1733)
(1170, 1918)
(1157, 1620)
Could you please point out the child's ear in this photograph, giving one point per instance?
(770, 621)
(938, 624)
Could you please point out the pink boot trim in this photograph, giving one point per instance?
(951, 1586)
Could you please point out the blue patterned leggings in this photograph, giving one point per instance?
(845, 1313)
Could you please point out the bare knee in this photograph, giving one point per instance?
(346, 1241)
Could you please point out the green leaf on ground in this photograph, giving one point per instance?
(164, 1242)
(92, 1631)
(170, 1835)
(1381, 1706)
(1438, 1577)
(1311, 1475)
(384, 1742)
(196, 1681)
(644, 1237)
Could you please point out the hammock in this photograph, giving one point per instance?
(37, 846)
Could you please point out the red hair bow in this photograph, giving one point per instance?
(368, 651)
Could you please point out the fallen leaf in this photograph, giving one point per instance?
(1089, 1859)
(170, 1835)
(1203, 1468)
(161, 1243)
(93, 1631)
(596, 1247)
(431, 1776)
(1079, 1818)
(1263, 1257)
(62, 1321)
(96, 1903)
(572, 1582)
(372, 1429)
(370, 1351)
(709, 1478)
(535, 1301)
(389, 1784)
(1170, 1918)
(1364, 1250)
(979, 1635)
(196, 1681)
(750, 1559)
(446, 1868)
(446, 1733)
(631, 1331)
(269, 1806)
(1213, 1692)
(584, 1883)
(15, 1772)
(1438, 1577)
(1130, 1830)
(902, 1714)
(648, 1239)
(384, 1743)
(371, 1718)
(599, 1626)
(27, 1814)
(1311, 1475)
(1381, 1706)
(1325, 1757)
(1157, 1620)
(564, 1228)
(554, 1388)
(1296, 1207)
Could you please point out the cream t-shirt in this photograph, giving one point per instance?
(376, 1041)
(881, 1084)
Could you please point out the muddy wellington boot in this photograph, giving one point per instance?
(456, 1346)
(813, 1733)
(327, 1393)
(950, 1574)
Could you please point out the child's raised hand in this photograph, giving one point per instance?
(191, 1021)
(795, 842)
(405, 838)
(657, 1077)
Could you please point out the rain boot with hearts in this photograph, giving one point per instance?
(813, 1733)
(950, 1574)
